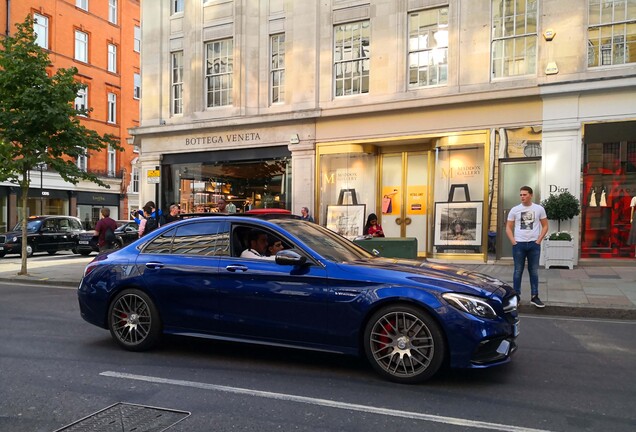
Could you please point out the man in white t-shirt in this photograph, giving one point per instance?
(257, 246)
(526, 227)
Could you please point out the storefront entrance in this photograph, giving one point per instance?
(404, 190)
(513, 175)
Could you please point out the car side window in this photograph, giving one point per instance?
(75, 225)
(64, 225)
(50, 225)
(202, 238)
(161, 244)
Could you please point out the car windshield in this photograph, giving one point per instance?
(323, 241)
(32, 226)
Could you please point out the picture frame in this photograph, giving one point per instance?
(458, 223)
(346, 220)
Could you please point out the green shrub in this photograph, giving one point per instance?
(563, 206)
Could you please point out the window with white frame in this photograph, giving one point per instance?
(514, 38)
(134, 180)
(218, 72)
(177, 6)
(82, 161)
(112, 11)
(81, 46)
(112, 58)
(137, 45)
(81, 100)
(611, 32)
(428, 47)
(112, 108)
(82, 4)
(351, 58)
(41, 30)
(136, 86)
(177, 83)
(277, 80)
(112, 161)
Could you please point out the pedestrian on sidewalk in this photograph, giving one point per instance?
(105, 231)
(526, 227)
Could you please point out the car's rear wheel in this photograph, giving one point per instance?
(404, 344)
(133, 321)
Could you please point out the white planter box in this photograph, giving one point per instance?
(559, 253)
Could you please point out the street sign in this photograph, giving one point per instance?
(153, 176)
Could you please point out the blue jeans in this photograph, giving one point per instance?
(531, 251)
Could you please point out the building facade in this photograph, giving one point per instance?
(102, 40)
(429, 113)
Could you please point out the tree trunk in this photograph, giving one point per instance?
(26, 181)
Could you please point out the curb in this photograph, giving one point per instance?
(39, 280)
(580, 311)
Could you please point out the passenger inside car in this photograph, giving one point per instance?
(273, 246)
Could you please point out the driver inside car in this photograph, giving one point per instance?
(258, 243)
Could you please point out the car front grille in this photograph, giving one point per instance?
(3, 239)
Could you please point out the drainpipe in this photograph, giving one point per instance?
(8, 17)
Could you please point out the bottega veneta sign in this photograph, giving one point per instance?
(224, 138)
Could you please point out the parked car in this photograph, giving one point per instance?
(127, 231)
(44, 234)
(321, 292)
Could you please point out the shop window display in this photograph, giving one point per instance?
(347, 190)
(609, 188)
(459, 199)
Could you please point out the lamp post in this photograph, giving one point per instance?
(41, 167)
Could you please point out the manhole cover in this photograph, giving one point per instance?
(124, 417)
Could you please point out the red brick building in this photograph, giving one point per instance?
(101, 38)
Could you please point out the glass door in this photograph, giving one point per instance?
(404, 193)
(513, 175)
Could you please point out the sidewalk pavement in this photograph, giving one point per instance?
(594, 288)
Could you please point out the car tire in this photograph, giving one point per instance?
(85, 253)
(2, 254)
(116, 245)
(133, 320)
(404, 344)
(75, 250)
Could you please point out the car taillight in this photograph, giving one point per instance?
(89, 268)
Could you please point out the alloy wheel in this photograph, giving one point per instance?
(404, 344)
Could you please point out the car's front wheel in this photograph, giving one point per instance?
(134, 321)
(404, 344)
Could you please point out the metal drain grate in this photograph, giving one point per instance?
(125, 417)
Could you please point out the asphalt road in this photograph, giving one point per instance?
(568, 375)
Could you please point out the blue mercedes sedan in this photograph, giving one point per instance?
(214, 277)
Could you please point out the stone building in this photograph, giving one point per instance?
(425, 112)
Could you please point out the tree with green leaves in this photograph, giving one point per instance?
(38, 120)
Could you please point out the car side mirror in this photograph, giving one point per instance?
(289, 257)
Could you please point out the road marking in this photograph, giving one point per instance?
(325, 402)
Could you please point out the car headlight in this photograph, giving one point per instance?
(13, 239)
(472, 305)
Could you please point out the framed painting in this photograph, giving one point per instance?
(346, 220)
(458, 223)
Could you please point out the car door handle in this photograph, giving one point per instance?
(235, 268)
(154, 265)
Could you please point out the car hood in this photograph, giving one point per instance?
(442, 276)
(88, 234)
